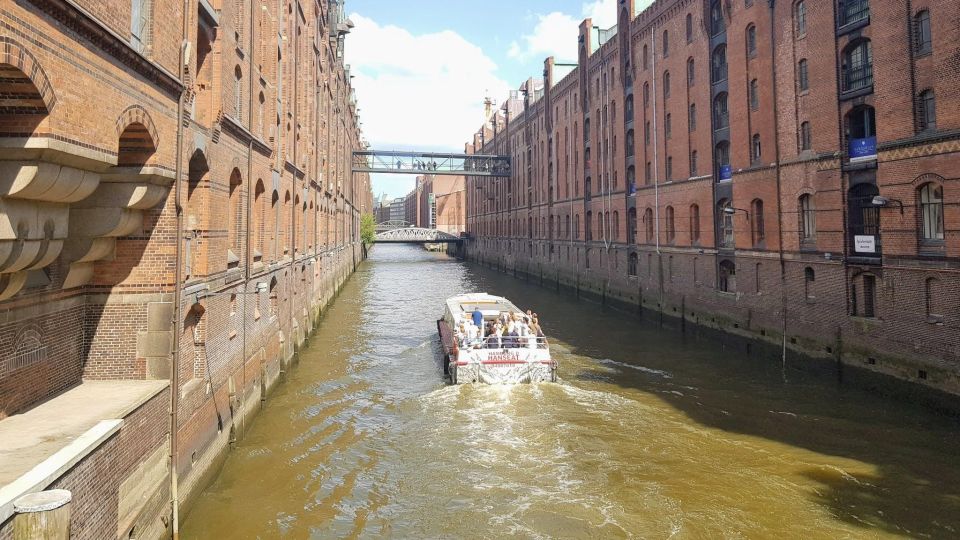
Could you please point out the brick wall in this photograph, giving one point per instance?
(810, 283)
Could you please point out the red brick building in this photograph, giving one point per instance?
(176, 207)
(782, 170)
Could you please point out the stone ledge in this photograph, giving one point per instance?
(39, 445)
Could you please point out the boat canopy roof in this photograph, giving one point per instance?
(463, 305)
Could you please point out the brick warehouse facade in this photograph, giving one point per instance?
(781, 170)
(176, 204)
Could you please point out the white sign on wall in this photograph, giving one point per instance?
(865, 244)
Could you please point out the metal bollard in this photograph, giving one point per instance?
(43, 515)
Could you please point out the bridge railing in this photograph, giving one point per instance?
(376, 161)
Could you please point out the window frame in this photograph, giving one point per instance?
(922, 33)
(930, 210)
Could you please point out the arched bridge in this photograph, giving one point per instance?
(415, 235)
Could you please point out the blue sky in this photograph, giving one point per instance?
(423, 67)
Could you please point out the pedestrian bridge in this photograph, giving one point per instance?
(415, 235)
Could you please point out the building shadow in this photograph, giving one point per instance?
(726, 383)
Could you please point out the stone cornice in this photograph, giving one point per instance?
(74, 17)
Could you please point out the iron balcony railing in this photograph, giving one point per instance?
(855, 10)
(719, 73)
(722, 120)
(858, 77)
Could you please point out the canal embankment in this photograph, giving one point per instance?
(651, 432)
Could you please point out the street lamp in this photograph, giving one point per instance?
(882, 202)
(730, 210)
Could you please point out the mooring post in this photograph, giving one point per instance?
(43, 515)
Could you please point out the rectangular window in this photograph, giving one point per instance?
(869, 295)
(139, 23)
(801, 18)
(802, 76)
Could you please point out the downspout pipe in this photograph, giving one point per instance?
(178, 285)
(248, 243)
(776, 150)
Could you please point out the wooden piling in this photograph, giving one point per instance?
(44, 515)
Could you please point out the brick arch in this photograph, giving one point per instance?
(135, 114)
(928, 178)
(28, 339)
(18, 64)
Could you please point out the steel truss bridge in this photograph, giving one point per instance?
(394, 162)
(401, 232)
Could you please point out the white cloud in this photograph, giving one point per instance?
(418, 91)
(555, 34)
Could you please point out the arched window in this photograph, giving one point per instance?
(803, 76)
(755, 150)
(926, 111)
(751, 41)
(694, 224)
(632, 226)
(725, 213)
(719, 64)
(857, 65)
(727, 277)
(629, 143)
(670, 228)
(693, 163)
(716, 18)
(238, 94)
(757, 228)
(692, 118)
(666, 84)
(645, 58)
(863, 220)
(632, 264)
(648, 225)
(808, 218)
(588, 223)
(931, 212)
(806, 137)
(235, 219)
(691, 71)
(631, 180)
(809, 277)
(922, 38)
(666, 44)
(275, 237)
(689, 27)
(576, 226)
(669, 172)
(721, 115)
(259, 215)
(800, 18)
(668, 126)
(616, 226)
(628, 109)
(754, 95)
(646, 95)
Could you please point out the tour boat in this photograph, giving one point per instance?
(470, 356)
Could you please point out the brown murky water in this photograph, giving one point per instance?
(649, 435)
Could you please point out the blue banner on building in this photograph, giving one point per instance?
(863, 149)
(726, 173)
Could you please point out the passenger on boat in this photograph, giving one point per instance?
(478, 319)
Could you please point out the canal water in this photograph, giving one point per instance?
(649, 434)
